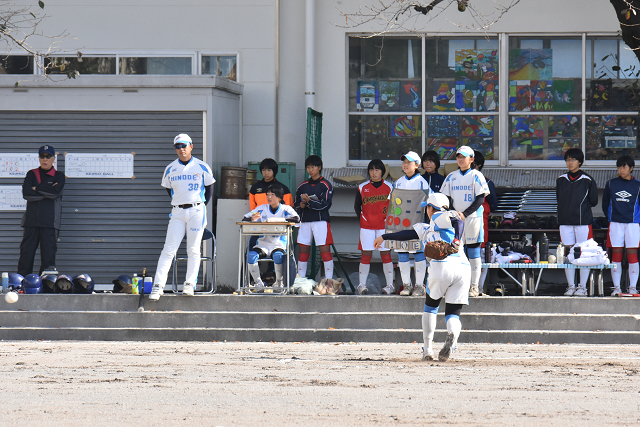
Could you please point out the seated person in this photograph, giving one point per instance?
(258, 193)
(273, 246)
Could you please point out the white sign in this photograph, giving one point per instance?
(96, 165)
(16, 165)
(11, 198)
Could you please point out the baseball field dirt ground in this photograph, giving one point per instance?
(62, 383)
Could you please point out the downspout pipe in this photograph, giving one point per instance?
(309, 85)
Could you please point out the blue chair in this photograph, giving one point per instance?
(207, 261)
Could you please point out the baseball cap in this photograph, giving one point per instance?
(465, 151)
(183, 138)
(436, 200)
(412, 156)
(47, 149)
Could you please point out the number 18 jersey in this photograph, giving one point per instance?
(464, 188)
(187, 182)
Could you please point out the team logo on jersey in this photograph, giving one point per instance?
(623, 196)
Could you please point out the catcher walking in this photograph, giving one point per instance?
(449, 271)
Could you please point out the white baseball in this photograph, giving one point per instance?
(11, 297)
(552, 259)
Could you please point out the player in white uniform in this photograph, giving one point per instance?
(274, 246)
(189, 182)
(412, 180)
(467, 188)
(448, 278)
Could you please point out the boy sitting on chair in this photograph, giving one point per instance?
(274, 246)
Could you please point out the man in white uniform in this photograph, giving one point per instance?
(188, 180)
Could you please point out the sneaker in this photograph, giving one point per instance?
(406, 289)
(447, 349)
(428, 355)
(187, 289)
(362, 289)
(632, 290)
(570, 291)
(473, 291)
(389, 289)
(156, 292)
(616, 292)
(580, 292)
(279, 283)
(418, 291)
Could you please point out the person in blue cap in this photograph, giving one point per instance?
(42, 189)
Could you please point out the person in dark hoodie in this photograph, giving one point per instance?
(576, 193)
(431, 163)
(42, 189)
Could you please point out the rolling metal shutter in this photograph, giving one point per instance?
(109, 226)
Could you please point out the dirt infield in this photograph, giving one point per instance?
(312, 384)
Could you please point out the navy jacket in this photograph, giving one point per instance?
(621, 201)
(44, 203)
(435, 180)
(316, 210)
(575, 198)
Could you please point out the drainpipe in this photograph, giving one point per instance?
(309, 86)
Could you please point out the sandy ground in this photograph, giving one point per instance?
(51, 383)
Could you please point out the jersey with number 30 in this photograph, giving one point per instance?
(464, 188)
(187, 182)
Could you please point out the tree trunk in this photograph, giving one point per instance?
(630, 27)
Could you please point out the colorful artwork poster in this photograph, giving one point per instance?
(526, 149)
(527, 126)
(557, 147)
(444, 97)
(410, 96)
(367, 97)
(600, 95)
(563, 95)
(389, 96)
(476, 96)
(542, 93)
(520, 95)
(405, 126)
(443, 126)
(480, 64)
(477, 126)
(565, 126)
(483, 145)
(530, 64)
(445, 147)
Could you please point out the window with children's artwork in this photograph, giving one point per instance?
(545, 97)
(612, 100)
(461, 78)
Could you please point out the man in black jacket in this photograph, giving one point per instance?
(42, 189)
(576, 193)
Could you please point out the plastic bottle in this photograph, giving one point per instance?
(487, 252)
(560, 254)
(135, 280)
(544, 247)
(5, 281)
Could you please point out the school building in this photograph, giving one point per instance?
(238, 77)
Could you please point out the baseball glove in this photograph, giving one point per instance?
(440, 249)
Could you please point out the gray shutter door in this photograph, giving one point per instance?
(109, 226)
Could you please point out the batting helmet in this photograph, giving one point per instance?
(123, 284)
(64, 284)
(15, 281)
(48, 283)
(83, 284)
(32, 284)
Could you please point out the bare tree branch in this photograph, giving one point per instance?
(414, 16)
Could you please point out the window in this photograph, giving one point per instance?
(83, 65)
(156, 65)
(395, 105)
(223, 66)
(14, 64)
